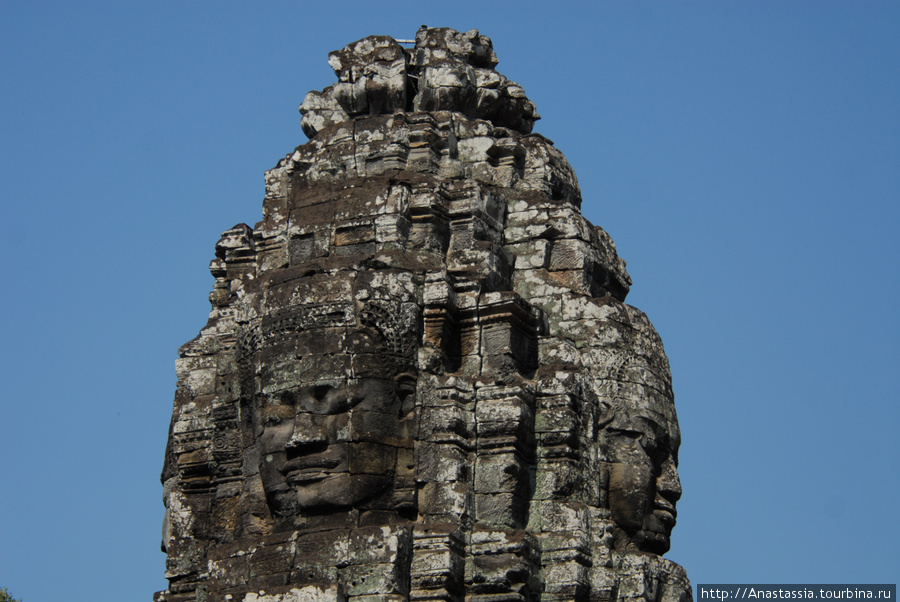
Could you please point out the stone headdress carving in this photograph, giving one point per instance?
(419, 379)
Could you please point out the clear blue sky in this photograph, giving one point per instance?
(745, 157)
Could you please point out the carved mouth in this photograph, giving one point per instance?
(298, 452)
(305, 477)
(309, 469)
(665, 511)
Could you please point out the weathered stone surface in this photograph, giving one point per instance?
(419, 379)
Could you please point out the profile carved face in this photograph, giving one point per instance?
(642, 447)
(334, 407)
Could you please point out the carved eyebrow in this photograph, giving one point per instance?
(625, 431)
(406, 378)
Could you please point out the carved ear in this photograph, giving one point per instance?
(406, 391)
(607, 413)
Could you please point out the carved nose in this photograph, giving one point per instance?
(306, 434)
(668, 484)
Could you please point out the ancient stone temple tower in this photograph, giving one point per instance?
(419, 379)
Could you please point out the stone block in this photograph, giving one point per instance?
(310, 593)
(326, 549)
(450, 501)
(374, 579)
(501, 509)
(445, 462)
(501, 473)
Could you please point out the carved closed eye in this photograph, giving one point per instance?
(635, 440)
(331, 399)
(660, 449)
(320, 392)
(626, 433)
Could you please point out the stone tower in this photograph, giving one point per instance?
(419, 379)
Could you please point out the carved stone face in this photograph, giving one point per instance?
(643, 453)
(332, 442)
(333, 408)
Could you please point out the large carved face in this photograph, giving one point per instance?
(335, 399)
(642, 446)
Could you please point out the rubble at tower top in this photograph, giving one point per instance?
(445, 71)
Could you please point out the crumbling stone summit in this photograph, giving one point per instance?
(419, 379)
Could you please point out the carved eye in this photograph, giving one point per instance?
(627, 433)
(272, 419)
(288, 398)
(658, 448)
(319, 392)
(628, 439)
